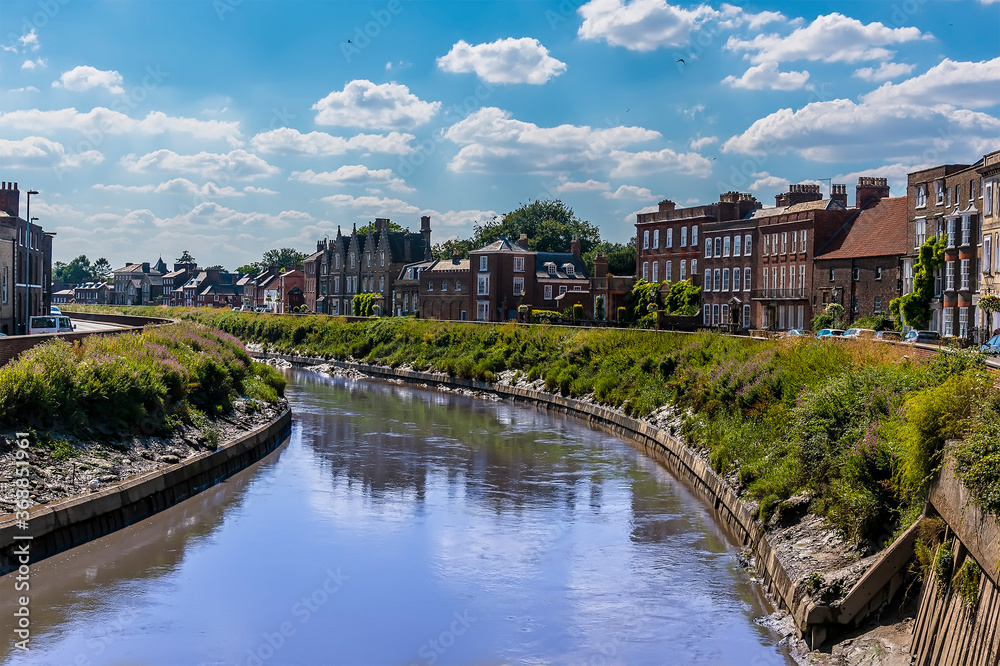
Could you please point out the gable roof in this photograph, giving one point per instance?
(560, 259)
(877, 231)
(502, 245)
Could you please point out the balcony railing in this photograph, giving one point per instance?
(774, 294)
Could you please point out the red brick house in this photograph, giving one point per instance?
(445, 289)
(291, 294)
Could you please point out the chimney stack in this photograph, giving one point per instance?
(798, 193)
(10, 199)
(870, 189)
(574, 246)
(600, 266)
(425, 231)
(667, 205)
(522, 240)
(838, 192)
(456, 257)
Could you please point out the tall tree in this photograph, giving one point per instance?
(102, 270)
(448, 248)
(286, 257)
(76, 271)
(186, 258)
(621, 257)
(392, 227)
(550, 226)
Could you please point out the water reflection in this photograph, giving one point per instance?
(457, 531)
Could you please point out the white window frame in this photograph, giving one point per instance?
(736, 279)
(708, 280)
(656, 272)
(694, 236)
(716, 279)
(726, 246)
(518, 264)
(965, 274)
(920, 196)
(949, 276)
(518, 285)
(484, 262)
(706, 317)
(645, 239)
(746, 316)
(708, 248)
(746, 278)
(920, 232)
(668, 271)
(694, 267)
(684, 236)
(725, 279)
(483, 285)
(645, 271)
(656, 239)
(547, 292)
(737, 240)
(682, 275)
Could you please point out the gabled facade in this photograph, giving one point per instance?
(406, 289)
(24, 248)
(93, 293)
(138, 284)
(989, 247)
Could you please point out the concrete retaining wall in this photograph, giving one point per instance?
(62, 525)
(813, 621)
(946, 632)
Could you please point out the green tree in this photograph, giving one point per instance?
(447, 249)
(253, 268)
(914, 308)
(599, 308)
(684, 298)
(620, 256)
(76, 271)
(638, 300)
(362, 231)
(185, 258)
(102, 270)
(549, 225)
(286, 257)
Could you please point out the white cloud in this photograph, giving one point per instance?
(364, 104)
(702, 142)
(181, 186)
(372, 205)
(508, 60)
(766, 76)
(629, 192)
(829, 38)
(637, 164)
(85, 77)
(397, 66)
(353, 174)
(35, 152)
(206, 216)
(250, 189)
(237, 164)
(968, 84)
(641, 25)
(26, 89)
(690, 112)
(842, 130)
(630, 218)
(895, 173)
(289, 141)
(34, 64)
(766, 181)
(101, 121)
(884, 72)
(588, 186)
(29, 41)
(493, 142)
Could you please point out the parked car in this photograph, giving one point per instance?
(888, 336)
(858, 333)
(992, 345)
(53, 310)
(929, 337)
(50, 324)
(830, 333)
(795, 332)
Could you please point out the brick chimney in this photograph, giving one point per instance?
(870, 189)
(10, 199)
(667, 205)
(381, 224)
(425, 231)
(600, 266)
(736, 205)
(456, 257)
(838, 192)
(574, 246)
(522, 240)
(798, 193)
(320, 245)
(145, 267)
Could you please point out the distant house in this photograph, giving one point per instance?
(93, 293)
(138, 284)
(290, 293)
(62, 297)
(406, 287)
(196, 292)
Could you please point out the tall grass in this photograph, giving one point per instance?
(857, 426)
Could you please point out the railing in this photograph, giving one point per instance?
(778, 294)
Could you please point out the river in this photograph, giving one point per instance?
(401, 525)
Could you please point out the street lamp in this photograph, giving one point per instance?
(27, 262)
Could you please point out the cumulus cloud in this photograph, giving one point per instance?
(629, 192)
(884, 72)
(896, 174)
(372, 205)
(85, 77)
(971, 84)
(766, 181)
(843, 130)
(250, 189)
(364, 104)
(641, 25)
(29, 41)
(181, 186)
(34, 64)
(26, 89)
(288, 141)
(637, 164)
(829, 38)
(101, 121)
(587, 186)
(766, 76)
(35, 152)
(353, 174)
(205, 216)
(508, 60)
(702, 142)
(631, 217)
(237, 164)
(494, 142)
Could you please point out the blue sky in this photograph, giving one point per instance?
(231, 127)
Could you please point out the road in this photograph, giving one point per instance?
(84, 326)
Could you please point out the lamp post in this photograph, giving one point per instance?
(27, 262)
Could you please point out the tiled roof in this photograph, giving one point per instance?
(502, 245)
(877, 231)
(560, 259)
(463, 265)
(819, 204)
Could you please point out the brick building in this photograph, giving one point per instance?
(989, 247)
(20, 240)
(406, 290)
(445, 289)
(861, 266)
(614, 289)
(93, 293)
(728, 262)
(138, 284)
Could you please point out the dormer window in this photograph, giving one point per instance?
(551, 268)
(570, 270)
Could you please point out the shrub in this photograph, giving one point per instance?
(966, 583)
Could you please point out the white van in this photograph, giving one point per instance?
(50, 324)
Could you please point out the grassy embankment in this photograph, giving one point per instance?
(151, 381)
(857, 426)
